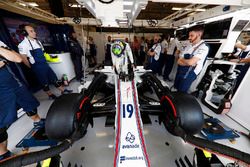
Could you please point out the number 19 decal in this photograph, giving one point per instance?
(127, 108)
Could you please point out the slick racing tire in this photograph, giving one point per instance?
(67, 117)
(181, 111)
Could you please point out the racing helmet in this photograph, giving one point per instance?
(118, 48)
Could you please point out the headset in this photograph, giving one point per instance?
(22, 30)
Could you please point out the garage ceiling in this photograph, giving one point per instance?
(158, 11)
(154, 10)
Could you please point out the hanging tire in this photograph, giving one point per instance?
(181, 111)
(67, 117)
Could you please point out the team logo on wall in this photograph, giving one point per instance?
(130, 137)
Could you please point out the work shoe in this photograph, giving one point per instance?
(52, 97)
(66, 91)
(6, 155)
(40, 124)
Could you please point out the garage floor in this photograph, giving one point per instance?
(97, 147)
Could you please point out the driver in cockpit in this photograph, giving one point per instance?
(121, 57)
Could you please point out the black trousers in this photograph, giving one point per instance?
(169, 62)
(77, 61)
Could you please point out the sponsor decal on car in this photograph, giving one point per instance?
(132, 158)
(130, 137)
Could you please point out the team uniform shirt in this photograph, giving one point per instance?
(201, 53)
(121, 62)
(157, 50)
(106, 45)
(240, 53)
(144, 45)
(178, 44)
(247, 50)
(171, 47)
(164, 46)
(181, 45)
(24, 48)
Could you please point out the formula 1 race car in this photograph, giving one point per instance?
(126, 97)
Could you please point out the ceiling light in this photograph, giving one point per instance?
(76, 5)
(22, 4)
(187, 9)
(128, 3)
(175, 8)
(200, 10)
(33, 4)
(126, 10)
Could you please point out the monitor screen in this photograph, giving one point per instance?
(213, 49)
(217, 30)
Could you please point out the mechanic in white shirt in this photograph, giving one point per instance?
(121, 54)
(244, 48)
(154, 55)
(32, 51)
(170, 57)
(191, 60)
(243, 57)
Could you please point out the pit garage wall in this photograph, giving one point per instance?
(240, 110)
(100, 39)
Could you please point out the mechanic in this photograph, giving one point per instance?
(192, 59)
(121, 56)
(92, 52)
(163, 57)
(243, 48)
(143, 50)
(135, 50)
(13, 94)
(107, 49)
(76, 53)
(170, 58)
(32, 51)
(243, 57)
(154, 55)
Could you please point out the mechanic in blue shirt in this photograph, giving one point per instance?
(32, 51)
(13, 94)
(191, 60)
